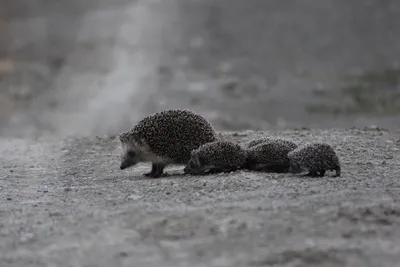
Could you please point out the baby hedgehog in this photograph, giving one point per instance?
(316, 158)
(214, 157)
(271, 155)
(163, 138)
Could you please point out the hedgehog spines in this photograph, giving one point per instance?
(317, 158)
(217, 156)
(269, 155)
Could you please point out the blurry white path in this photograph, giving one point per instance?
(109, 77)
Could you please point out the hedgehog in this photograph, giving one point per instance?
(270, 155)
(215, 157)
(163, 138)
(316, 158)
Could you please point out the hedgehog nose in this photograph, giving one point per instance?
(186, 169)
(122, 167)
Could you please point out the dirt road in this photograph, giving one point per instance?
(66, 203)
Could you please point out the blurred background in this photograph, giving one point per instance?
(95, 67)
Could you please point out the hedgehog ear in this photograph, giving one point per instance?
(196, 159)
(221, 137)
(139, 141)
(122, 137)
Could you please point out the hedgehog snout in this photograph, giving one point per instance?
(127, 161)
(193, 165)
(123, 166)
(189, 166)
(186, 169)
(294, 167)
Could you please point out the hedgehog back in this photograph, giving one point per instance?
(222, 153)
(272, 152)
(257, 141)
(315, 156)
(174, 133)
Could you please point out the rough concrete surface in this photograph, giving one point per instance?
(66, 203)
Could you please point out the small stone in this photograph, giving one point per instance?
(123, 254)
(9, 198)
(56, 213)
(134, 197)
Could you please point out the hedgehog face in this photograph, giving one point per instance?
(136, 150)
(128, 159)
(133, 152)
(194, 165)
(295, 167)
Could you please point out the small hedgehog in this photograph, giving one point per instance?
(270, 155)
(214, 157)
(317, 158)
(163, 138)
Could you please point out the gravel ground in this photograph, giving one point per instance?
(66, 203)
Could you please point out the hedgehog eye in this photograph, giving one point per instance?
(131, 153)
(201, 160)
(192, 164)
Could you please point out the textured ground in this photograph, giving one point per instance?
(66, 203)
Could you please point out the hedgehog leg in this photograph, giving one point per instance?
(157, 169)
(321, 173)
(311, 173)
(217, 169)
(337, 170)
(259, 167)
(213, 169)
(152, 172)
(255, 166)
(201, 170)
(227, 168)
(279, 168)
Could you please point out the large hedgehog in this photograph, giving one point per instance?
(269, 155)
(163, 138)
(214, 157)
(317, 158)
